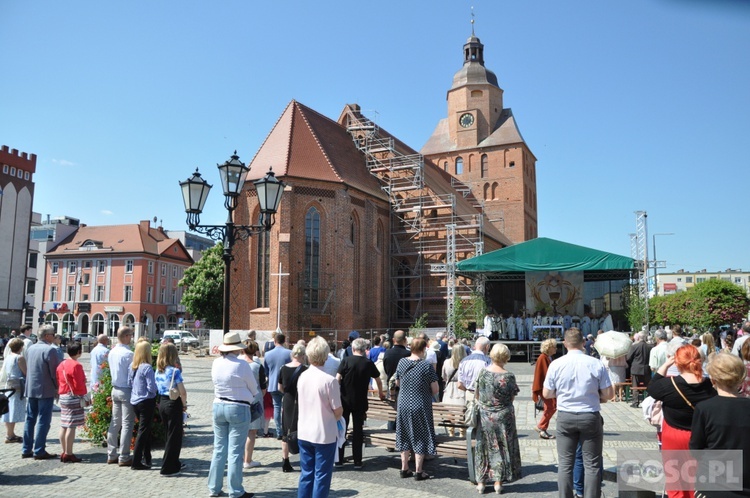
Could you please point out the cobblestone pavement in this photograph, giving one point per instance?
(624, 428)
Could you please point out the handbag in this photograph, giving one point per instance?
(539, 405)
(292, 443)
(472, 411)
(174, 393)
(84, 400)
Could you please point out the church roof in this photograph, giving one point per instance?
(505, 132)
(305, 144)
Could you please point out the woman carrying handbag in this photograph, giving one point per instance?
(172, 402)
(71, 383)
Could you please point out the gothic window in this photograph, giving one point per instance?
(312, 259)
(445, 165)
(494, 190)
(485, 166)
(354, 239)
(459, 166)
(263, 263)
(379, 237)
(486, 191)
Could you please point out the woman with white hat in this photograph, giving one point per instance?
(234, 391)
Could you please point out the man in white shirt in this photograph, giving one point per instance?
(470, 366)
(580, 384)
(123, 415)
(98, 356)
(737, 348)
(658, 355)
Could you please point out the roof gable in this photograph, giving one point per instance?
(306, 144)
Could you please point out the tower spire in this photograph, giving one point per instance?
(472, 20)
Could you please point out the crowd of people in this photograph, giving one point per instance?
(695, 385)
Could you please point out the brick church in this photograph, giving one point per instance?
(369, 229)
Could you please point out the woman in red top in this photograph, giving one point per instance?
(71, 383)
(548, 350)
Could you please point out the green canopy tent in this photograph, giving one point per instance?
(543, 254)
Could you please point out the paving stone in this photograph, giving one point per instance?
(624, 428)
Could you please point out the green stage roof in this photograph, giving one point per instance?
(544, 254)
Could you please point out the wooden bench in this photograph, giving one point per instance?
(444, 416)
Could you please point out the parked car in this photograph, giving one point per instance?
(84, 338)
(180, 336)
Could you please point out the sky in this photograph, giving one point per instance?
(627, 106)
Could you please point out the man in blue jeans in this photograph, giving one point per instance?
(41, 387)
(274, 360)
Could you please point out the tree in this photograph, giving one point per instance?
(705, 306)
(635, 307)
(204, 287)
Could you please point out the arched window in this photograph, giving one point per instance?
(128, 320)
(485, 166)
(379, 237)
(114, 323)
(161, 324)
(52, 319)
(68, 324)
(97, 324)
(263, 264)
(312, 259)
(494, 190)
(171, 322)
(354, 239)
(486, 191)
(445, 165)
(459, 166)
(84, 321)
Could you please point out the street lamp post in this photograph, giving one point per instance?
(656, 262)
(233, 172)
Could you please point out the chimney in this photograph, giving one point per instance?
(145, 225)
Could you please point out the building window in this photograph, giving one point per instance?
(149, 294)
(485, 166)
(679, 279)
(55, 267)
(150, 267)
(71, 295)
(86, 278)
(174, 296)
(737, 280)
(263, 264)
(163, 270)
(84, 297)
(114, 323)
(97, 324)
(128, 293)
(312, 259)
(129, 266)
(688, 280)
(31, 287)
(512, 164)
(53, 293)
(379, 237)
(445, 165)
(700, 279)
(72, 267)
(12, 171)
(163, 296)
(459, 166)
(26, 176)
(5, 169)
(354, 238)
(100, 293)
(174, 271)
(87, 264)
(33, 258)
(100, 266)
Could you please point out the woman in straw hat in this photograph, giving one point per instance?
(234, 391)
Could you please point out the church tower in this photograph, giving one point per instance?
(480, 145)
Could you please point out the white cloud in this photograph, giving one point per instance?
(106, 212)
(63, 162)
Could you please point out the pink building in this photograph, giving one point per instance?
(106, 276)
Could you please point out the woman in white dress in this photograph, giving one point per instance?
(452, 394)
(250, 355)
(14, 371)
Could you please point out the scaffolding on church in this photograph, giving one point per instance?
(428, 234)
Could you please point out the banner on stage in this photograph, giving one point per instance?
(553, 292)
